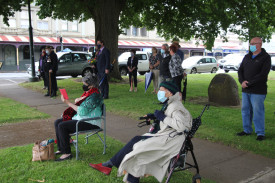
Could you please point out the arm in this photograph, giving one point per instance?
(135, 61)
(69, 103)
(128, 64)
(240, 72)
(107, 61)
(179, 120)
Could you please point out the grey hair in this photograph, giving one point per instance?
(166, 46)
(91, 79)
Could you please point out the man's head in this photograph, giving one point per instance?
(49, 49)
(256, 45)
(100, 43)
(165, 47)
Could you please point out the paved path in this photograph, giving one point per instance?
(216, 161)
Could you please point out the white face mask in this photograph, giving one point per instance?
(47, 51)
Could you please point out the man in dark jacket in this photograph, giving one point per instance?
(51, 67)
(253, 73)
(165, 74)
(132, 65)
(103, 67)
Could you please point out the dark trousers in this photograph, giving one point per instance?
(53, 82)
(45, 79)
(177, 80)
(104, 87)
(134, 75)
(63, 129)
(118, 157)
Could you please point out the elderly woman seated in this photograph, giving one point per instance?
(87, 106)
(151, 153)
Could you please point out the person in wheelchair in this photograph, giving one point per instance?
(150, 154)
(89, 105)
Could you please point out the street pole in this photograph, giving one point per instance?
(33, 78)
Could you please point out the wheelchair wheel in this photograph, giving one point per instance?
(196, 178)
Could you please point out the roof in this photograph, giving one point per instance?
(84, 41)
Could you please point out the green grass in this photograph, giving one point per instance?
(16, 166)
(220, 124)
(12, 111)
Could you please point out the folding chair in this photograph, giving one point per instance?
(92, 132)
(178, 163)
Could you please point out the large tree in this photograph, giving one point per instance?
(199, 19)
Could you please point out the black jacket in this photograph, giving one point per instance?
(164, 67)
(134, 64)
(53, 64)
(255, 71)
(103, 61)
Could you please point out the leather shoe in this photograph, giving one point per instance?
(101, 168)
(46, 95)
(67, 158)
(243, 134)
(260, 137)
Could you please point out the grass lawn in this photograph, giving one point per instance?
(16, 166)
(220, 124)
(13, 111)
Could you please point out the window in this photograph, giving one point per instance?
(75, 26)
(79, 57)
(42, 25)
(65, 58)
(26, 52)
(24, 15)
(141, 56)
(143, 32)
(213, 60)
(208, 60)
(88, 57)
(64, 25)
(24, 24)
(134, 31)
(12, 23)
(202, 61)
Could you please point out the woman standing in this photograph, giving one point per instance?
(154, 62)
(132, 68)
(175, 67)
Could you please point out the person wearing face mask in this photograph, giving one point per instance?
(165, 74)
(132, 64)
(253, 75)
(103, 66)
(154, 62)
(89, 105)
(150, 153)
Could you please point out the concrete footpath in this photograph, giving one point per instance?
(216, 161)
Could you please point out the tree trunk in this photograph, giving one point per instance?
(106, 18)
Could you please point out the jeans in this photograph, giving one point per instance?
(253, 109)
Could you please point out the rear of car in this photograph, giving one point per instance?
(233, 62)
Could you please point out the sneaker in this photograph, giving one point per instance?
(260, 137)
(243, 134)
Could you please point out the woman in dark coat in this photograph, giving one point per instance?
(132, 68)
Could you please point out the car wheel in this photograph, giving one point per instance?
(123, 71)
(74, 75)
(194, 70)
(214, 70)
(141, 73)
(87, 71)
(226, 71)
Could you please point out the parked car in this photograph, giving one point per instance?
(233, 62)
(273, 63)
(143, 62)
(70, 63)
(200, 64)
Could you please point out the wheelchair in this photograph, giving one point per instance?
(178, 163)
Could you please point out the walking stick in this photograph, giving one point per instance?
(50, 84)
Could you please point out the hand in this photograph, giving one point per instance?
(244, 84)
(78, 99)
(107, 71)
(159, 115)
(50, 71)
(151, 67)
(63, 100)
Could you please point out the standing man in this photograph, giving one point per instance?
(253, 74)
(103, 67)
(165, 74)
(179, 52)
(51, 67)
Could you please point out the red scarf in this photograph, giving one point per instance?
(70, 112)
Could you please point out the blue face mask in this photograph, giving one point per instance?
(252, 48)
(161, 96)
(162, 51)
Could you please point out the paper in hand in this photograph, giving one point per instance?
(64, 93)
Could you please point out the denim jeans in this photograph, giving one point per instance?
(253, 109)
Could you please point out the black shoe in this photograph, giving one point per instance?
(53, 95)
(67, 158)
(46, 95)
(105, 97)
(260, 137)
(57, 152)
(243, 134)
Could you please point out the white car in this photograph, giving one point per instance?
(143, 62)
(273, 63)
(233, 62)
(200, 64)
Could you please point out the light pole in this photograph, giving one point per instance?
(33, 78)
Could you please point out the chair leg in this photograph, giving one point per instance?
(76, 147)
(87, 139)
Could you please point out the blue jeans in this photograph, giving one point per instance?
(253, 109)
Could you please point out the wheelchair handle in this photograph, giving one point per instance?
(206, 107)
(143, 123)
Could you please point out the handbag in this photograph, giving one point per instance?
(42, 153)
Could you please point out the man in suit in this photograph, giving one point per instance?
(103, 68)
(132, 65)
(51, 67)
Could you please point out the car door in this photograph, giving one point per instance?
(143, 62)
(64, 64)
(78, 60)
(201, 65)
(208, 65)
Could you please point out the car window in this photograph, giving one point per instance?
(88, 57)
(208, 60)
(79, 57)
(202, 61)
(65, 58)
(141, 56)
(213, 60)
